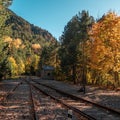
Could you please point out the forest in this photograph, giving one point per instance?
(88, 51)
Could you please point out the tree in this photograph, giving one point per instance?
(3, 58)
(5, 3)
(34, 64)
(18, 38)
(104, 46)
(72, 39)
(12, 66)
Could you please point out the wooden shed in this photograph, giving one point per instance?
(47, 72)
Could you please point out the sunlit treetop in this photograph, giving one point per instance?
(5, 3)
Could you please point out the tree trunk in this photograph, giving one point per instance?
(116, 76)
(74, 74)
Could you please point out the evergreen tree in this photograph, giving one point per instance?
(73, 36)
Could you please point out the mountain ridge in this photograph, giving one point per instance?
(18, 27)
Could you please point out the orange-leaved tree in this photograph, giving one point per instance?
(104, 46)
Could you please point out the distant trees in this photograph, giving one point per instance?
(13, 64)
(21, 43)
(49, 54)
(15, 59)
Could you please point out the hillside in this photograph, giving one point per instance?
(16, 27)
(21, 45)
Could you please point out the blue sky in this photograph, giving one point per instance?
(53, 15)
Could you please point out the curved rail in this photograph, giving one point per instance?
(84, 100)
(63, 103)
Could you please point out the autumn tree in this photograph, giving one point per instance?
(12, 65)
(12, 62)
(104, 47)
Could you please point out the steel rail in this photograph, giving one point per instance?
(84, 100)
(34, 115)
(6, 97)
(66, 105)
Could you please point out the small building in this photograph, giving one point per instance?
(47, 72)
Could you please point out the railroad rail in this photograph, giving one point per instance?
(83, 108)
(33, 112)
(17, 103)
(35, 115)
(102, 108)
(6, 97)
(77, 111)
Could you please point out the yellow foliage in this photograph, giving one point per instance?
(13, 66)
(7, 39)
(36, 62)
(21, 66)
(36, 46)
(104, 44)
(17, 42)
(22, 46)
(12, 60)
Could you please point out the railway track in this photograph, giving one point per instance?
(87, 108)
(49, 109)
(25, 101)
(15, 104)
(33, 110)
(82, 115)
(9, 93)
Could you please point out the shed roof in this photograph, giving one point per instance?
(46, 67)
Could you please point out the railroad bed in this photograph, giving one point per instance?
(107, 98)
(15, 105)
(25, 99)
(97, 111)
(23, 102)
